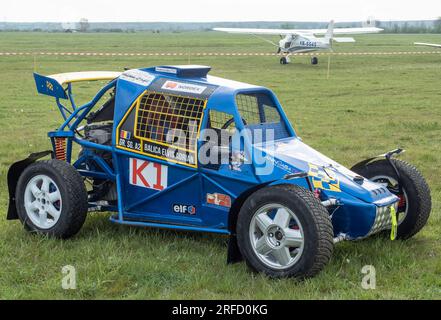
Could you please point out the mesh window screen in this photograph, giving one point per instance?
(248, 108)
(259, 112)
(159, 114)
(271, 114)
(254, 111)
(221, 120)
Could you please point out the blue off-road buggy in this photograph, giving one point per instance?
(172, 147)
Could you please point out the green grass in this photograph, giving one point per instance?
(369, 105)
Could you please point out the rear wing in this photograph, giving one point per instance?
(52, 85)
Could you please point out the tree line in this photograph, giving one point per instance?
(407, 27)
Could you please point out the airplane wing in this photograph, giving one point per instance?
(427, 44)
(342, 39)
(346, 30)
(299, 31)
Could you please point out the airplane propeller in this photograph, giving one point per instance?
(269, 41)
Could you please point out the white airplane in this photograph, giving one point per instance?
(427, 44)
(303, 40)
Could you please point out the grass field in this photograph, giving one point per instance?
(370, 104)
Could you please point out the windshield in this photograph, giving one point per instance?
(260, 115)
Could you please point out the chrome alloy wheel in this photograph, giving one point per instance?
(42, 201)
(276, 236)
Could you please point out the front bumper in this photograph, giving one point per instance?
(383, 218)
(358, 219)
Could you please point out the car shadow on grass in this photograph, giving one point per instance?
(375, 250)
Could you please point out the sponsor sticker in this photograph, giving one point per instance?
(166, 70)
(183, 87)
(323, 178)
(50, 86)
(169, 153)
(219, 199)
(148, 174)
(184, 209)
(138, 76)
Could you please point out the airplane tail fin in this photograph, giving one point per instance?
(330, 33)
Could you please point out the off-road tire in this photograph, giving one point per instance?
(73, 196)
(316, 224)
(417, 190)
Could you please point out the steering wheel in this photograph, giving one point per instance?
(230, 121)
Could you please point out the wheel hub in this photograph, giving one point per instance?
(275, 236)
(279, 235)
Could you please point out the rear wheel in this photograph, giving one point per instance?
(283, 60)
(51, 199)
(284, 231)
(314, 61)
(415, 200)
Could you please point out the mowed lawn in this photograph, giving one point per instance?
(369, 105)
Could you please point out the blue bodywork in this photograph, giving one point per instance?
(187, 200)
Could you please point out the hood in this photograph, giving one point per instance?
(325, 173)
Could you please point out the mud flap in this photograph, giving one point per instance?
(14, 173)
(233, 255)
(387, 155)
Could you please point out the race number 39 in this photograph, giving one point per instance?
(148, 174)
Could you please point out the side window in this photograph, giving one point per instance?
(221, 127)
(216, 139)
(221, 121)
(257, 109)
(271, 114)
(248, 106)
(169, 119)
(260, 115)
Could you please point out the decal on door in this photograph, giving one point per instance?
(219, 199)
(184, 209)
(148, 174)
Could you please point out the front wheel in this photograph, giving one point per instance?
(414, 193)
(51, 199)
(284, 231)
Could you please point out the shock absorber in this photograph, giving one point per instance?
(60, 148)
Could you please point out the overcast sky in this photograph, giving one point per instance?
(216, 10)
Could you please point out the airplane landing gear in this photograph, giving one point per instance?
(314, 61)
(285, 60)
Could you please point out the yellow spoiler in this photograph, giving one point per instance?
(53, 85)
(69, 77)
